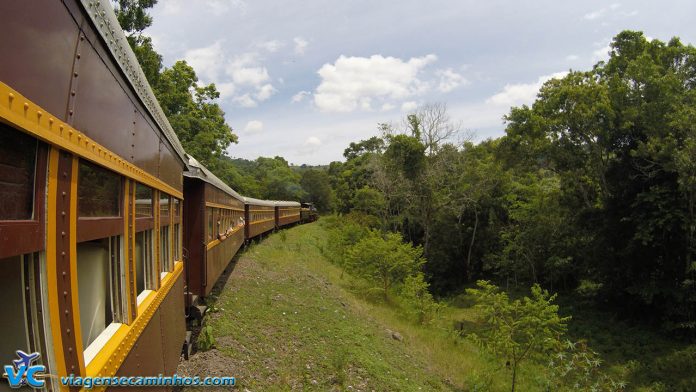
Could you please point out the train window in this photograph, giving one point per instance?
(98, 190)
(177, 208)
(144, 262)
(17, 170)
(210, 223)
(101, 291)
(143, 201)
(164, 205)
(177, 242)
(21, 297)
(165, 255)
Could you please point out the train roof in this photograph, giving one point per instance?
(259, 202)
(284, 203)
(195, 169)
(102, 15)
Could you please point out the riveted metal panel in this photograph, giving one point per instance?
(220, 256)
(194, 232)
(158, 347)
(63, 249)
(102, 109)
(145, 358)
(173, 324)
(37, 49)
(170, 168)
(146, 145)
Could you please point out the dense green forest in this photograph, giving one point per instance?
(591, 190)
(591, 193)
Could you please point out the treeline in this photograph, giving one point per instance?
(591, 191)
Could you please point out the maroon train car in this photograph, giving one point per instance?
(260, 217)
(90, 212)
(287, 213)
(214, 231)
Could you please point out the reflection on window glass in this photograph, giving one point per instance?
(177, 208)
(164, 205)
(165, 256)
(17, 170)
(210, 223)
(144, 265)
(100, 286)
(98, 191)
(143, 201)
(177, 241)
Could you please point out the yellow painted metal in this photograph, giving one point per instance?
(261, 221)
(216, 205)
(22, 113)
(51, 263)
(73, 264)
(107, 362)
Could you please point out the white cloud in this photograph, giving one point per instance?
(242, 75)
(271, 46)
(595, 14)
(250, 76)
(226, 89)
(245, 101)
(572, 57)
(601, 12)
(300, 96)
(312, 141)
(601, 54)
(521, 93)
(449, 80)
(409, 106)
(348, 82)
(387, 107)
(253, 126)
(206, 61)
(300, 45)
(264, 92)
(217, 7)
(311, 145)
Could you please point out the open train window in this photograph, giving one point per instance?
(101, 291)
(22, 297)
(18, 153)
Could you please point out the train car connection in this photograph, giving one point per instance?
(90, 219)
(214, 231)
(286, 213)
(259, 216)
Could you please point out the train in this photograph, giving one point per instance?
(110, 232)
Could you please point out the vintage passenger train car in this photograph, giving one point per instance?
(99, 202)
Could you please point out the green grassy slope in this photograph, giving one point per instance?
(287, 320)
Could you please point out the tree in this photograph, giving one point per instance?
(317, 187)
(519, 330)
(383, 259)
(196, 118)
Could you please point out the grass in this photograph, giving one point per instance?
(287, 319)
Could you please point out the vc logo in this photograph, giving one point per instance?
(22, 372)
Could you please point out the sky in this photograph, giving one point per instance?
(303, 79)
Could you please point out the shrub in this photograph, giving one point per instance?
(419, 301)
